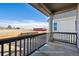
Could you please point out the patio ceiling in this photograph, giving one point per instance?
(53, 8)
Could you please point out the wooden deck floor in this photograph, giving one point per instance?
(57, 49)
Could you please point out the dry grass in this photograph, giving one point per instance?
(5, 33)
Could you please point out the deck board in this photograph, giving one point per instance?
(57, 49)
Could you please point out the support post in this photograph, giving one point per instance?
(50, 28)
(77, 25)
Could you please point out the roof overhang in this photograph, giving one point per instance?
(53, 8)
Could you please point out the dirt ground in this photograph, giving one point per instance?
(5, 33)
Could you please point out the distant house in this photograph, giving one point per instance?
(39, 29)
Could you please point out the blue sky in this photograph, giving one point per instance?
(22, 15)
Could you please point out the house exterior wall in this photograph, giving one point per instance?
(77, 25)
(66, 22)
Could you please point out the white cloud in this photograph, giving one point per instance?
(24, 23)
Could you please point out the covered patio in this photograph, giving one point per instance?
(59, 43)
(51, 43)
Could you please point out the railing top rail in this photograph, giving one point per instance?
(66, 32)
(12, 39)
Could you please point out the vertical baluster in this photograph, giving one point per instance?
(24, 47)
(41, 40)
(60, 35)
(45, 40)
(64, 36)
(71, 38)
(68, 37)
(35, 42)
(76, 38)
(15, 48)
(30, 45)
(2, 49)
(10, 49)
(20, 47)
(27, 46)
(41, 36)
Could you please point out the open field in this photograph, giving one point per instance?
(5, 33)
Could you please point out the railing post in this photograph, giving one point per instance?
(2, 49)
(10, 49)
(15, 48)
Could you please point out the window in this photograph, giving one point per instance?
(55, 26)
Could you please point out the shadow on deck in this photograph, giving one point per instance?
(56, 48)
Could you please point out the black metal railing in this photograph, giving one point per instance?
(65, 37)
(22, 45)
